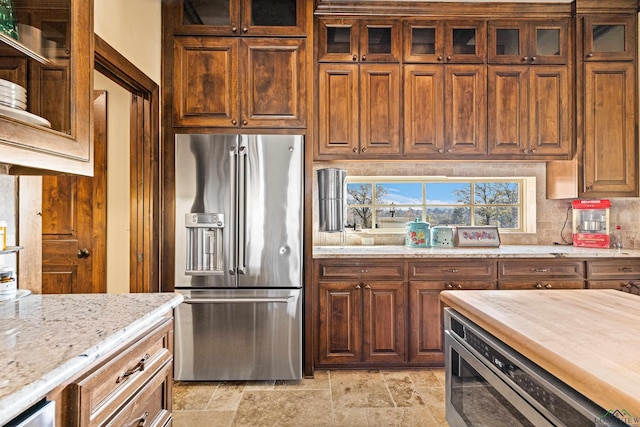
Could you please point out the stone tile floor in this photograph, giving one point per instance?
(332, 398)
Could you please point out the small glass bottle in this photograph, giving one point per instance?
(616, 237)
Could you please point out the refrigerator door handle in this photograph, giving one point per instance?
(237, 300)
(233, 162)
(242, 208)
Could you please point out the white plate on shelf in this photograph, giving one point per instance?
(12, 102)
(12, 92)
(25, 116)
(13, 86)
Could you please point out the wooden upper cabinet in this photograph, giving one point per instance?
(431, 41)
(609, 37)
(207, 90)
(528, 42)
(610, 165)
(358, 40)
(53, 131)
(274, 86)
(465, 110)
(205, 81)
(359, 109)
(529, 110)
(240, 17)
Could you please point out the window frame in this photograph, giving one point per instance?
(526, 203)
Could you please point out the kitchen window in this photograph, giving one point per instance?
(387, 203)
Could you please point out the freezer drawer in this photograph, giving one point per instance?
(239, 335)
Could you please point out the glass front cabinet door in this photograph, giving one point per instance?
(45, 84)
(609, 38)
(354, 40)
(528, 42)
(241, 17)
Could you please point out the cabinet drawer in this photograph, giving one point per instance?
(614, 269)
(542, 284)
(150, 407)
(620, 284)
(361, 270)
(453, 270)
(543, 269)
(453, 285)
(102, 392)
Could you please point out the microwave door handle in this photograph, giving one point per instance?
(242, 210)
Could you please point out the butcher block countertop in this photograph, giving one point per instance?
(590, 339)
(505, 251)
(46, 340)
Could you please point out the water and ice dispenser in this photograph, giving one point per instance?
(204, 243)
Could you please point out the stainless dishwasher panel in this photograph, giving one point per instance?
(245, 334)
(42, 414)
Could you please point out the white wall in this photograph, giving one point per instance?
(133, 28)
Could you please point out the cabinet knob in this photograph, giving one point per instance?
(83, 253)
(548, 286)
(449, 150)
(364, 57)
(234, 29)
(525, 58)
(590, 55)
(244, 122)
(589, 187)
(449, 58)
(533, 151)
(525, 151)
(367, 286)
(355, 150)
(439, 58)
(354, 58)
(234, 122)
(441, 150)
(538, 285)
(448, 286)
(358, 286)
(364, 149)
(533, 58)
(245, 29)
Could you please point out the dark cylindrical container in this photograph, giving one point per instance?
(331, 199)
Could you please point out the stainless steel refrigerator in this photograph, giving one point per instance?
(238, 262)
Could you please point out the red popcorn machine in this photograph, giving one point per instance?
(591, 223)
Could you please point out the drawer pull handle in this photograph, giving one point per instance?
(141, 421)
(451, 270)
(627, 269)
(540, 270)
(139, 367)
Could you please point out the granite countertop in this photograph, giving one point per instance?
(46, 340)
(506, 251)
(586, 338)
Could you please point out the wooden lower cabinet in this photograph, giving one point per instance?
(425, 317)
(542, 284)
(130, 386)
(361, 322)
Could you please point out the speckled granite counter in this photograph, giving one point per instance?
(556, 251)
(46, 340)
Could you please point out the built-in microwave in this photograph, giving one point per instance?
(490, 384)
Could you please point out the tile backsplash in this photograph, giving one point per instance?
(550, 214)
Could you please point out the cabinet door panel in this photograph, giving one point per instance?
(423, 41)
(380, 109)
(380, 41)
(426, 324)
(338, 40)
(423, 109)
(609, 124)
(384, 317)
(508, 109)
(507, 42)
(274, 83)
(274, 17)
(609, 37)
(340, 337)
(338, 109)
(466, 110)
(466, 42)
(205, 82)
(549, 110)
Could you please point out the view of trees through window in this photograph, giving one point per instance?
(390, 204)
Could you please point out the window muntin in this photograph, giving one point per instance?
(387, 203)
